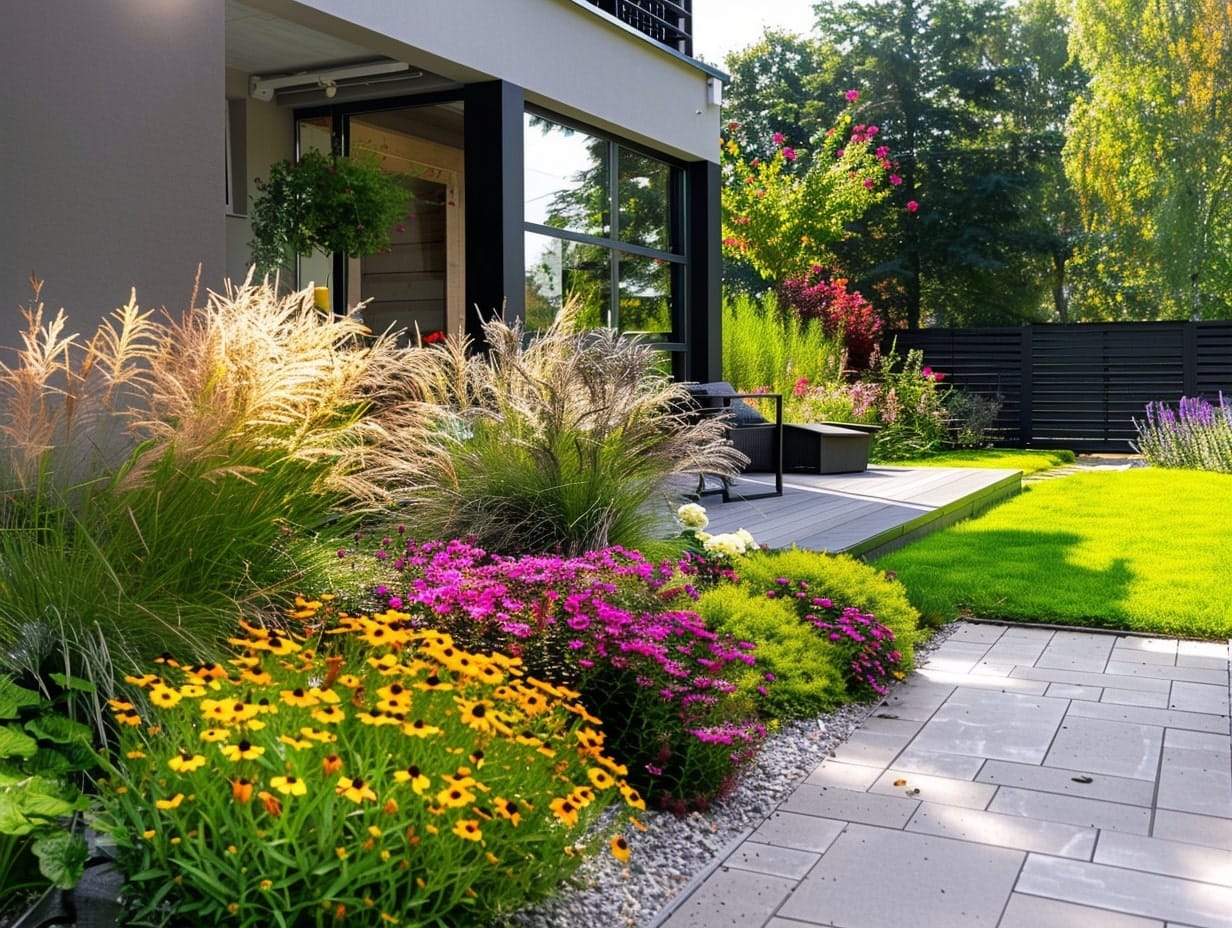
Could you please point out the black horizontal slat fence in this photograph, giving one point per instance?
(1079, 386)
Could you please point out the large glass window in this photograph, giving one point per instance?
(604, 227)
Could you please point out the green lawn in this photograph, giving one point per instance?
(1142, 549)
(1027, 461)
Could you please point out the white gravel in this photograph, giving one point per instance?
(675, 849)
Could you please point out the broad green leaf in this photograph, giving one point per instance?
(14, 743)
(60, 729)
(80, 684)
(62, 858)
(14, 698)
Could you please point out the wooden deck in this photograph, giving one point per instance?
(865, 514)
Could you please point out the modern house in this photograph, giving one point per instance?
(552, 147)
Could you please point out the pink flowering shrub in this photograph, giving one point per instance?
(612, 625)
(842, 313)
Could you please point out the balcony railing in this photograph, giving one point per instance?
(668, 22)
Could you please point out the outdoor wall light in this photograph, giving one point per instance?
(263, 88)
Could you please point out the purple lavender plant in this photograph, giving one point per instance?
(1194, 436)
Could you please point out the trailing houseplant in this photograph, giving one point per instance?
(325, 203)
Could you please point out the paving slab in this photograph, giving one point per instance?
(1022, 777)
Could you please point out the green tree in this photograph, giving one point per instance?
(1148, 154)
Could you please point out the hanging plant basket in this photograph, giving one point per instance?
(325, 203)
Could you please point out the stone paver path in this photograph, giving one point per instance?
(1023, 777)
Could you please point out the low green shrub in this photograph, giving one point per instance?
(794, 677)
(370, 772)
(829, 629)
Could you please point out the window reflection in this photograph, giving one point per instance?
(645, 213)
(645, 295)
(559, 270)
(566, 178)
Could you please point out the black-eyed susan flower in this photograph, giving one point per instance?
(299, 744)
(620, 848)
(172, 803)
(419, 729)
(414, 776)
(355, 789)
(316, 734)
(600, 778)
(120, 705)
(468, 829)
(242, 750)
(131, 719)
(185, 762)
(564, 809)
(632, 797)
(476, 713)
(507, 809)
(329, 715)
(455, 797)
(164, 696)
(289, 785)
(214, 735)
(300, 698)
(331, 763)
(146, 679)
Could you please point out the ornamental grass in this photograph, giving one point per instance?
(363, 773)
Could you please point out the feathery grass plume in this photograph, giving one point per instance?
(171, 470)
(560, 440)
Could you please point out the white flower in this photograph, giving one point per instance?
(692, 516)
(747, 538)
(728, 544)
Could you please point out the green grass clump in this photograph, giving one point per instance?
(1138, 549)
(1029, 461)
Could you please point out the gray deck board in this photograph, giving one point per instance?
(865, 514)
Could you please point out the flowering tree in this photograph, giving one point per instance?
(782, 219)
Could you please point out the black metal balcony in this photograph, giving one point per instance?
(668, 22)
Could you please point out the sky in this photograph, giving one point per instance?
(721, 26)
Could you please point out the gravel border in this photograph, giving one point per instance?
(677, 851)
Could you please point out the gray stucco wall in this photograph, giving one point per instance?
(563, 53)
(112, 154)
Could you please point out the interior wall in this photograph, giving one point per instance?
(112, 159)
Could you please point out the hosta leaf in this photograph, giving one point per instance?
(14, 698)
(14, 743)
(59, 729)
(62, 858)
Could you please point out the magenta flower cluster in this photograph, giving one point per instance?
(867, 646)
(615, 626)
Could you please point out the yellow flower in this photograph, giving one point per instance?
(455, 797)
(266, 885)
(342, 855)
(632, 797)
(565, 810)
(185, 762)
(600, 778)
(143, 680)
(172, 803)
(419, 729)
(507, 809)
(328, 715)
(413, 775)
(300, 697)
(289, 785)
(468, 829)
(128, 718)
(257, 677)
(301, 744)
(120, 705)
(242, 750)
(134, 755)
(149, 833)
(312, 734)
(355, 789)
(164, 697)
(475, 713)
(620, 848)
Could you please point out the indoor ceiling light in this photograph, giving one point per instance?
(263, 88)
